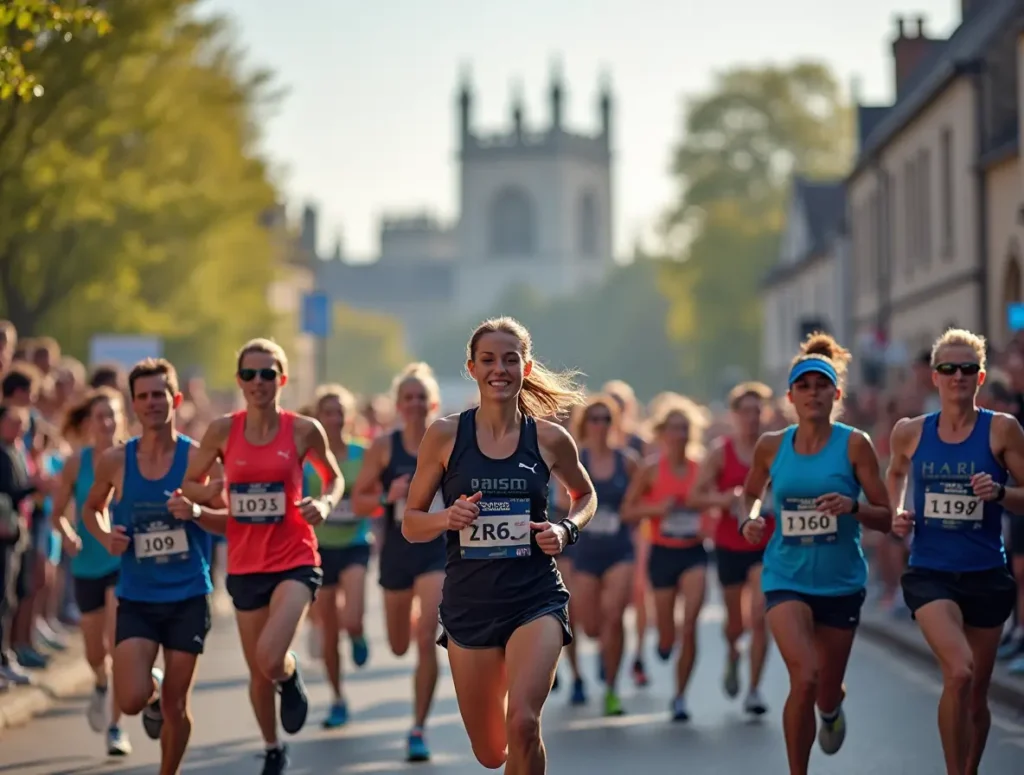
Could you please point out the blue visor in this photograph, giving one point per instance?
(810, 365)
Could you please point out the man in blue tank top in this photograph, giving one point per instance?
(957, 584)
(136, 511)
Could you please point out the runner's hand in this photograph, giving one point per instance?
(753, 530)
(313, 510)
(903, 524)
(399, 488)
(984, 487)
(71, 544)
(551, 537)
(181, 507)
(834, 504)
(462, 513)
(117, 540)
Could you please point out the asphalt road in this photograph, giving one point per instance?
(891, 719)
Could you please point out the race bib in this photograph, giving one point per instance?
(681, 523)
(952, 506)
(500, 532)
(605, 522)
(157, 537)
(803, 523)
(342, 513)
(435, 505)
(258, 503)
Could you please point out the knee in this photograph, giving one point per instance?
(958, 674)
(490, 759)
(523, 727)
(426, 641)
(269, 662)
(175, 706)
(591, 624)
(690, 625)
(804, 678)
(132, 698)
(733, 627)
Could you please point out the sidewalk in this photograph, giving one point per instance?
(67, 675)
(904, 635)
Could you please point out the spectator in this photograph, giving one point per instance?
(107, 375)
(8, 344)
(45, 354)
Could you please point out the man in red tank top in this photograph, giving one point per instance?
(273, 563)
(719, 482)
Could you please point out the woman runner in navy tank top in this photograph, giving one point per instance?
(503, 606)
(957, 584)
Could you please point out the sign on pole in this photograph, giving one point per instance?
(1015, 315)
(124, 350)
(316, 314)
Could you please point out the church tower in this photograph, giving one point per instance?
(535, 203)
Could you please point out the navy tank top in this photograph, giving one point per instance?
(401, 463)
(169, 559)
(954, 530)
(496, 559)
(606, 526)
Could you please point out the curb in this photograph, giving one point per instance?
(1003, 689)
(70, 676)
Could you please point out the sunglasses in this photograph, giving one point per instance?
(600, 419)
(949, 369)
(267, 375)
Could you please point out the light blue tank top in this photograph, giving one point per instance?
(168, 560)
(954, 530)
(93, 561)
(809, 552)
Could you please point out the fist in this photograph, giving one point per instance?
(753, 530)
(984, 487)
(118, 540)
(398, 489)
(312, 510)
(462, 513)
(903, 523)
(551, 538)
(181, 507)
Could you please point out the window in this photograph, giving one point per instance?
(946, 192)
(588, 224)
(925, 215)
(907, 228)
(513, 228)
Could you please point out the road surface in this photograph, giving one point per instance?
(891, 712)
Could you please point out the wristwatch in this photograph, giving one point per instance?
(572, 529)
(197, 512)
(1001, 494)
(743, 524)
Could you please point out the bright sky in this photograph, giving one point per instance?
(368, 125)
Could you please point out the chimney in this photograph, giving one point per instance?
(308, 235)
(465, 106)
(517, 112)
(605, 108)
(909, 50)
(557, 95)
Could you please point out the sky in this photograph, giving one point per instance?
(367, 126)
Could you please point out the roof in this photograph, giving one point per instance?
(967, 43)
(824, 204)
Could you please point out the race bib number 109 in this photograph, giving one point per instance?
(500, 532)
(802, 523)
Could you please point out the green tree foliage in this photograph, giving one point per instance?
(131, 193)
(28, 26)
(614, 331)
(366, 350)
(742, 142)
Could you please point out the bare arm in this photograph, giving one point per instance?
(367, 490)
(213, 518)
(759, 474)
(319, 452)
(1013, 458)
(876, 514)
(62, 498)
(705, 493)
(901, 444)
(197, 486)
(568, 469)
(419, 525)
(95, 511)
(634, 508)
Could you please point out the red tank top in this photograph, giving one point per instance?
(681, 528)
(266, 533)
(734, 474)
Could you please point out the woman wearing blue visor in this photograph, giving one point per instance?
(814, 571)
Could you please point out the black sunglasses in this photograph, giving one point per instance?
(602, 419)
(949, 369)
(248, 375)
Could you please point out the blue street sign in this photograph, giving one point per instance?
(316, 315)
(1015, 315)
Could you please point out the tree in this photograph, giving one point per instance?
(33, 25)
(742, 143)
(131, 193)
(366, 350)
(616, 330)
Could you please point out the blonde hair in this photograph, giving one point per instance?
(417, 372)
(960, 337)
(267, 347)
(745, 389)
(333, 390)
(823, 347)
(665, 405)
(578, 424)
(544, 392)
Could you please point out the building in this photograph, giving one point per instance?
(535, 209)
(931, 179)
(805, 290)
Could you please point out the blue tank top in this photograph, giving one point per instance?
(606, 527)
(495, 562)
(93, 561)
(809, 552)
(168, 560)
(953, 529)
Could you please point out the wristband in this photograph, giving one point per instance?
(571, 529)
(856, 507)
(743, 524)
(1001, 494)
(197, 512)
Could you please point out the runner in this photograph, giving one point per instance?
(273, 562)
(604, 555)
(625, 397)
(503, 607)
(814, 570)
(164, 582)
(345, 541)
(719, 486)
(98, 420)
(660, 491)
(957, 585)
(409, 573)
